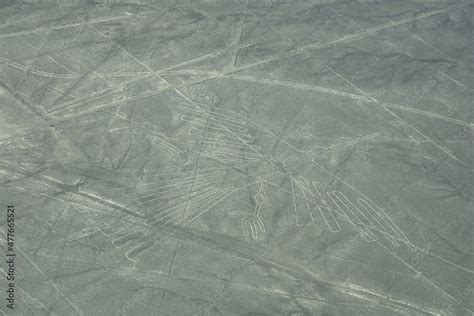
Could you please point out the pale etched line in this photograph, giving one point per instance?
(156, 189)
(297, 85)
(417, 37)
(204, 122)
(110, 267)
(170, 192)
(303, 188)
(344, 202)
(169, 149)
(181, 202)
(430, 114)
(366, 233)
(90, 71)
(385, 224)
(234, 135)
(341, 210)
(283, 267)
(166, 146)
(328, 216)
(213, 123)
(225, 147)
(406, 240)
(295, 207)
(235, 70)
(450, 263)
(117, 232)
(170, 270)
(199, 202)
(214, 113)
(172, 173)
(35, 71)
(65, 26)
(174, 88)
(233, 163)
(102, 230)
(180, 180)
(114, 44)
(260, 199)
(229, 156)
(438, 71)
(200, 39)
(157, 139)
(50, 282)
(54, 60)
(122, 233)
(345, 38)
(138, 76)
(205, 109)
(232, 156)
(231, 123)
(200, 193)
(171, 211)
(215, 134)
(235, 153)
(203, 207)
(134, 239)
(95, 120)
(225, 143)
(185, 176)
(62, 92)
(227, 115)
(375, 101)
(126, 52)
(420, 274)
(456, 81)
(41, 73)
(426, 113)
(350, 95)
(356, 36)
(219, 129)
(129, 238)
(103, 107)
(165, 141)
(359, 224)
(202, 186)
(443, 149)
(235, 160)
(89, 209)
(99, 94)
(391, 224)
(215, 116)
(196, 214)
(164, 149)
(11, 18)
(332, 205)
(110, 202)
(233, 60)
(138, 249)
(443, 101)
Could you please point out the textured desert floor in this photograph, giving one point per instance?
(238, 157)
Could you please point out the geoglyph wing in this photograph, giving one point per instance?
(336, 207)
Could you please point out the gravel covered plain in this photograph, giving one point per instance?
(237, 157)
